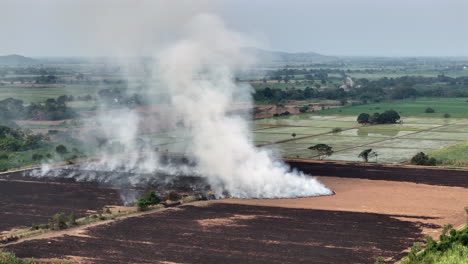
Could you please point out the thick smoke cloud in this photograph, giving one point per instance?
(199, 72)
(193, 62)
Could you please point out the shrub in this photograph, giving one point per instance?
(61, 149)
(62, 221)
(422, 159)
(59, 221)
(304, 109)
(10, 144)
(148, 199)
(293, 135)
(71, 219)
(3, 156)
(337, 130)
(429, 110)
(446, 115)
(37, 157)
(41, 226)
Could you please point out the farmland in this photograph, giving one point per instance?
(318, 106)
(392, 142)
(305, 230)
(455, 107)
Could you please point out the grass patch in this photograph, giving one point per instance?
(456, 155)
(10, 258)
(455, 107)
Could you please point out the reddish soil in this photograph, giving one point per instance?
(233, 233)
(26, 201)
(433, 206)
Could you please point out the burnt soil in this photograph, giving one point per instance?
(415, 174)
(25, 201)
(233, 233)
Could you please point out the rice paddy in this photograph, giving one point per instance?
(291, 136)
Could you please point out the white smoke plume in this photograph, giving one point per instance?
(199, 74)
(196, 68)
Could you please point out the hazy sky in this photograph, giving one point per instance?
(332, 27)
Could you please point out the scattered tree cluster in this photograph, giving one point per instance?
(115, 97)
(51, 109)
(387, 117)
(367, 90)
(15, 140)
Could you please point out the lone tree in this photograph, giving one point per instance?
(429, 110)
(365, 154)
(363, 118)
(323, 150)
(61, 149)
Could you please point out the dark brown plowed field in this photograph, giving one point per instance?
(26, 201)
(233, 233)
(432, 176)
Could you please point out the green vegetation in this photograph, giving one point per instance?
(62, 221)
(387, 117)
(337, 130)
(452, 155)
(61, 149)
(455, 107)
(452, 247)
(10, 258)
(429, 110)
(323, 150)
(365, 154)
(148, 199)
(50, 109)
(422, 159)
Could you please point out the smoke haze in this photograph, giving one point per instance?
(195, 68)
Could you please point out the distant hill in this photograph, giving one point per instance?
(16, 59)
(272, 57)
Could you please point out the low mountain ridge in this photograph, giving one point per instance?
(15, 59)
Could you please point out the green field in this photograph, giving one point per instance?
(456, 107)
(394, 143)
(452, 155)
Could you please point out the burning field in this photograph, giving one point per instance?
(246, 204)
(365, 219)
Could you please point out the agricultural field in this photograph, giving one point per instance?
(38, 93)
(290, 137)
(455, 107)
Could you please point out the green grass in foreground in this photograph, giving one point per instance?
(456, 254)
(456, 107)
(10, 258)
(452, 248)
(452, 155)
